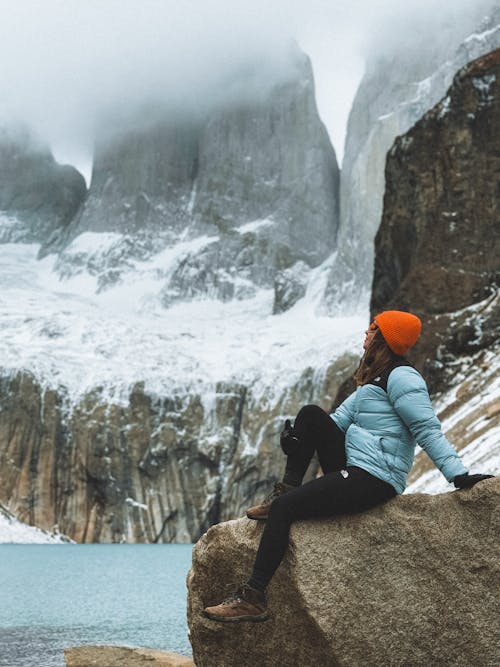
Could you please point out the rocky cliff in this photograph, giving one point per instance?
(398, 87)
(413, 582)
(250, 186)
(438, 248)
(157, 469)
(37, 195)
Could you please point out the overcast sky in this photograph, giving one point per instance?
(65, 61)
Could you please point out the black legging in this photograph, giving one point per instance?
(334, 493)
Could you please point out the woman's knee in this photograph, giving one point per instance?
(309, 413)
(280, 510)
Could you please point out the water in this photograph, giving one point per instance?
(55, 596)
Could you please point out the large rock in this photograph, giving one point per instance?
(122, 656)
(413, 582)
(37, 195)
(438, 246)
(401, 82)
(250, 187)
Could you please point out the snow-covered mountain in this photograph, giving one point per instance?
(127, 410)
(235, 197)
(154, 345)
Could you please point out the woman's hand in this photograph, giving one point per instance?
(465, 481)
(288, 438)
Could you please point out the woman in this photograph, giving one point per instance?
(365, 449)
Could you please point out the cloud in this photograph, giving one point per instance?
(66, 63)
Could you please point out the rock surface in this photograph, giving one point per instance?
(414, 582)
(37, 195)
(159, 469)
(122, 656)
(438, 246)
(397, 89)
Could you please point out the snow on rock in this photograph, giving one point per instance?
(69, 335)
(483, 85)
(470, 417)
(254, 225)
(13, 531)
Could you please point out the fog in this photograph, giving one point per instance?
(66, 64)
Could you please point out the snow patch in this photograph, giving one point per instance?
(91, 243)
(254, 225)
(134, 503)
(482, 36)
(13, 531)
(444, 107)
(483, 85)
(482, 454)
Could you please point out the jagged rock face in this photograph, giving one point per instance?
(396, 90)
(349, 588)
(37, 195)
(273, 160)
(255, 182)
(438, 247)
(290, 285)
(141, 179)
(160, 469)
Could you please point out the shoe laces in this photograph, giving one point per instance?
(237, 596)
(275, 493)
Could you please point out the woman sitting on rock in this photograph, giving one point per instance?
(365, 449)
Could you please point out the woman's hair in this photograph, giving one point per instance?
(375, 360)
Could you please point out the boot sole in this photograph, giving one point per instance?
(255, 518)
(237, 619)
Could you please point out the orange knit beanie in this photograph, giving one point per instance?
(399, 329)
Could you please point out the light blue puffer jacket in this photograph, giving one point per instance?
(382, 428)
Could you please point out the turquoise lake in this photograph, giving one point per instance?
(55, 596)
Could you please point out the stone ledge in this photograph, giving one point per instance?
(122, 656)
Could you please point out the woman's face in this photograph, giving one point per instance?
(369, 335)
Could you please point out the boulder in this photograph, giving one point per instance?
(122, 656)
(413, 582)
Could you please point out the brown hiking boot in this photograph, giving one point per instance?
(246, 604)
(260, 512)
